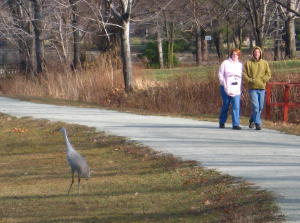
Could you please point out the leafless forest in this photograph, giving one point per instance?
(68, 28)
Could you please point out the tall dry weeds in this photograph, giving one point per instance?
(93, 84)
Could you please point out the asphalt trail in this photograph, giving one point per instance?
(268, 158)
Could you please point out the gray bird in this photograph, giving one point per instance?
(76, 161)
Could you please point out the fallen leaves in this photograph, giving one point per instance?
(19, 130)
(207, 202)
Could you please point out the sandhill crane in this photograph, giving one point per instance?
(76, 161)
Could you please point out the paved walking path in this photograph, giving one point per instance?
(267, 158)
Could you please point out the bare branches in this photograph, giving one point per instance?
(288, 8)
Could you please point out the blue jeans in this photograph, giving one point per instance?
(257, 99)
(235, 108)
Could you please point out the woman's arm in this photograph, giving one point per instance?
(221, 73)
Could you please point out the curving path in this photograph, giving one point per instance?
(268, 158)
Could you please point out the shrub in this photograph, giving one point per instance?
(151, 52)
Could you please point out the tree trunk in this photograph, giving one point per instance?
(218, 41)
(236, 42)
(124, 19)
(38, 29)
(169, 27)
(159, 46)
(26, 57)
(276, 49)
(204, 46)
(126, 56)
(259, 38)
(286, 39)
(277, 38)
(198, 46)
(238, 37)
(227, 38)
(62, 43)
(76, 35)
(171, 46)
(290, 28)
(250, 42)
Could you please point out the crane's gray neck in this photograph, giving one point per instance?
(68, 144)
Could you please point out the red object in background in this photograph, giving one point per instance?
(286, 104)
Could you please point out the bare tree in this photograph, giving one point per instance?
(37, 23)
(198, 18)
(261, 14)
(122, 11)
(289, 11)
(159, 44)
(197, 35)
(26, 28)
(60, 33)
(277, 36)
(170, 36)
(290, 30)
(288, 14)
(68, 26)
(20, 30)
(76, 35)
(28, 24)
(197, 27)
(163, 16)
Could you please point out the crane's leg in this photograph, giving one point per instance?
(71, 182)
(78, 184)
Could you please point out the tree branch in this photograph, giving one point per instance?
(286, 7)
(113, 9)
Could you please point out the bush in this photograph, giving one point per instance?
(151, 52)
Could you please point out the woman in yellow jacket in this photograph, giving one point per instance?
(257, 73)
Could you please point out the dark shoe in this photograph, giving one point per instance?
(251, 124)
(222, 126)
(257, 127)
(237, 127)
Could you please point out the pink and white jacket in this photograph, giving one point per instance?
(230, 76)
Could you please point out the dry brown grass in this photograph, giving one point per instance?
(102, 83)
(92, 84)
(129, 183)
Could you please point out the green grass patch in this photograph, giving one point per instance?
(205, 71)
(129, 183)
(285, 66)
(200, 73)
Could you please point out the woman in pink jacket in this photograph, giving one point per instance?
(230, 77)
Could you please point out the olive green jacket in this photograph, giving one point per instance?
(257, 73)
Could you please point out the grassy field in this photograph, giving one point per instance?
(204, 71)
(285, 65)
(129, 183)
(200, 73)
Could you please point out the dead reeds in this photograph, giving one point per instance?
(102, 83)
